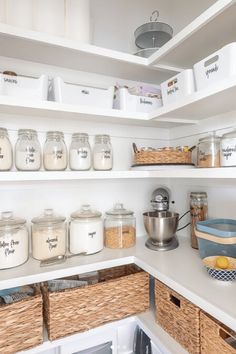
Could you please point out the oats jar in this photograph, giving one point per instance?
(80, 152)
(27, 151)
(55, 152)
(6, 155)
(208, 151)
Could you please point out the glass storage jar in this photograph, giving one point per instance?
(228, 149)
(55, 152)
(80, 152)
(14, 241)
(102, 153)
(48, 235)
(86, 231)
(6, 156)
(198, 212)
(208, 151)
(27, 151)
(119, 227)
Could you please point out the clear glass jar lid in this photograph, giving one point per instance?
(8, 220)
(119, 211)
(48, 218)
(27, 132)
(55, 134)
(102, 138)
(86, 213)
(231, 134)
(210, 138)
(3, 131)
(80, 136)
(198, 195)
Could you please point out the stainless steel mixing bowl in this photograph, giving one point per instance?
(161, 226)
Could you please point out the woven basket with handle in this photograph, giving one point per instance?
(162, 157)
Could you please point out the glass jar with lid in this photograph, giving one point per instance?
(6, 156)
(119, 227)
(86, 231)
(55, 152)
(228, 149)
(27, 151)
(208, 151)
(48, 235)
(14, 241)
(102, 153)
(80, 152)
(198, 212)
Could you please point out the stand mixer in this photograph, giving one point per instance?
(161, 224)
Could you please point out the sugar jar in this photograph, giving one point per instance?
(80, 152)
(119, 227)
(27, 151)
(55, 152)
(48, 235)
(208, 151)
(102, 153)
(14, 241)
(86, 231)
(228, 149)
(6, 157)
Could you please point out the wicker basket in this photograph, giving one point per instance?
(162, 157)
(120, 293)
(214, 335)
(21, 325)
(179, 317)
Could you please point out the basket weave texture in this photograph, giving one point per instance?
(179, 317)
(21, 324)
(117, 296)
(162, 157)
(212, 336)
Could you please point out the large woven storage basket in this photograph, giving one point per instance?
(21, 324)
(214, 336)
(162, 157)
(122, 292)
(179, 317)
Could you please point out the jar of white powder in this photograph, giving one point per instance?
(6, 158)
(14, 241)
(55, 152)
(80, 152)
(102, 153)
(48, 235)
(27, 151)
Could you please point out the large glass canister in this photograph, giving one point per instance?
(14, 241)
(48, 235)
(27, 151)
(80, 152)
(102, 153)
(6, 156)
(208, 151)
(198, 212)
(55, 152)
(119, 227)
(228, 149)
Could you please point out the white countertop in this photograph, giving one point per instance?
(180, 269)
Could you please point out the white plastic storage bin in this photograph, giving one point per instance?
(178, 87)
(21, 86)
(217, 67)
(126, 101)
(64, 92)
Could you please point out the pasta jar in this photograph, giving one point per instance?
(80, 152)
(27, 151)
(14, 241)
(198, 212)
(228, 149)
(119, 227)
(6, 157)
(55, 152)
(48, 235)
(208, 151)
(102, 153)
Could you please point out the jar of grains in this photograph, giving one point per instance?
(119, 227)
(102, 153)
(5, 151)
(198, 212)
(27, 151)
(48, 235)
(55, 152)
(14, 241)
(208, 151)
(80, 152)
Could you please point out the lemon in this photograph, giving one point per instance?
(222, 262)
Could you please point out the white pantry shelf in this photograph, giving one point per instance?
(213, 29)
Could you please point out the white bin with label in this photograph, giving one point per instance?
(64, 92)
(178, 87)
(217, 67)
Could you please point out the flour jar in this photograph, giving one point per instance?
(6, 157)
(102, 153)
(27, 151)
(48, 235)
(80, 152)
(14, 241)
(55, 152)
(86, 231)
(228, 149)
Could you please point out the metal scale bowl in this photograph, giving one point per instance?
(161, 224)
